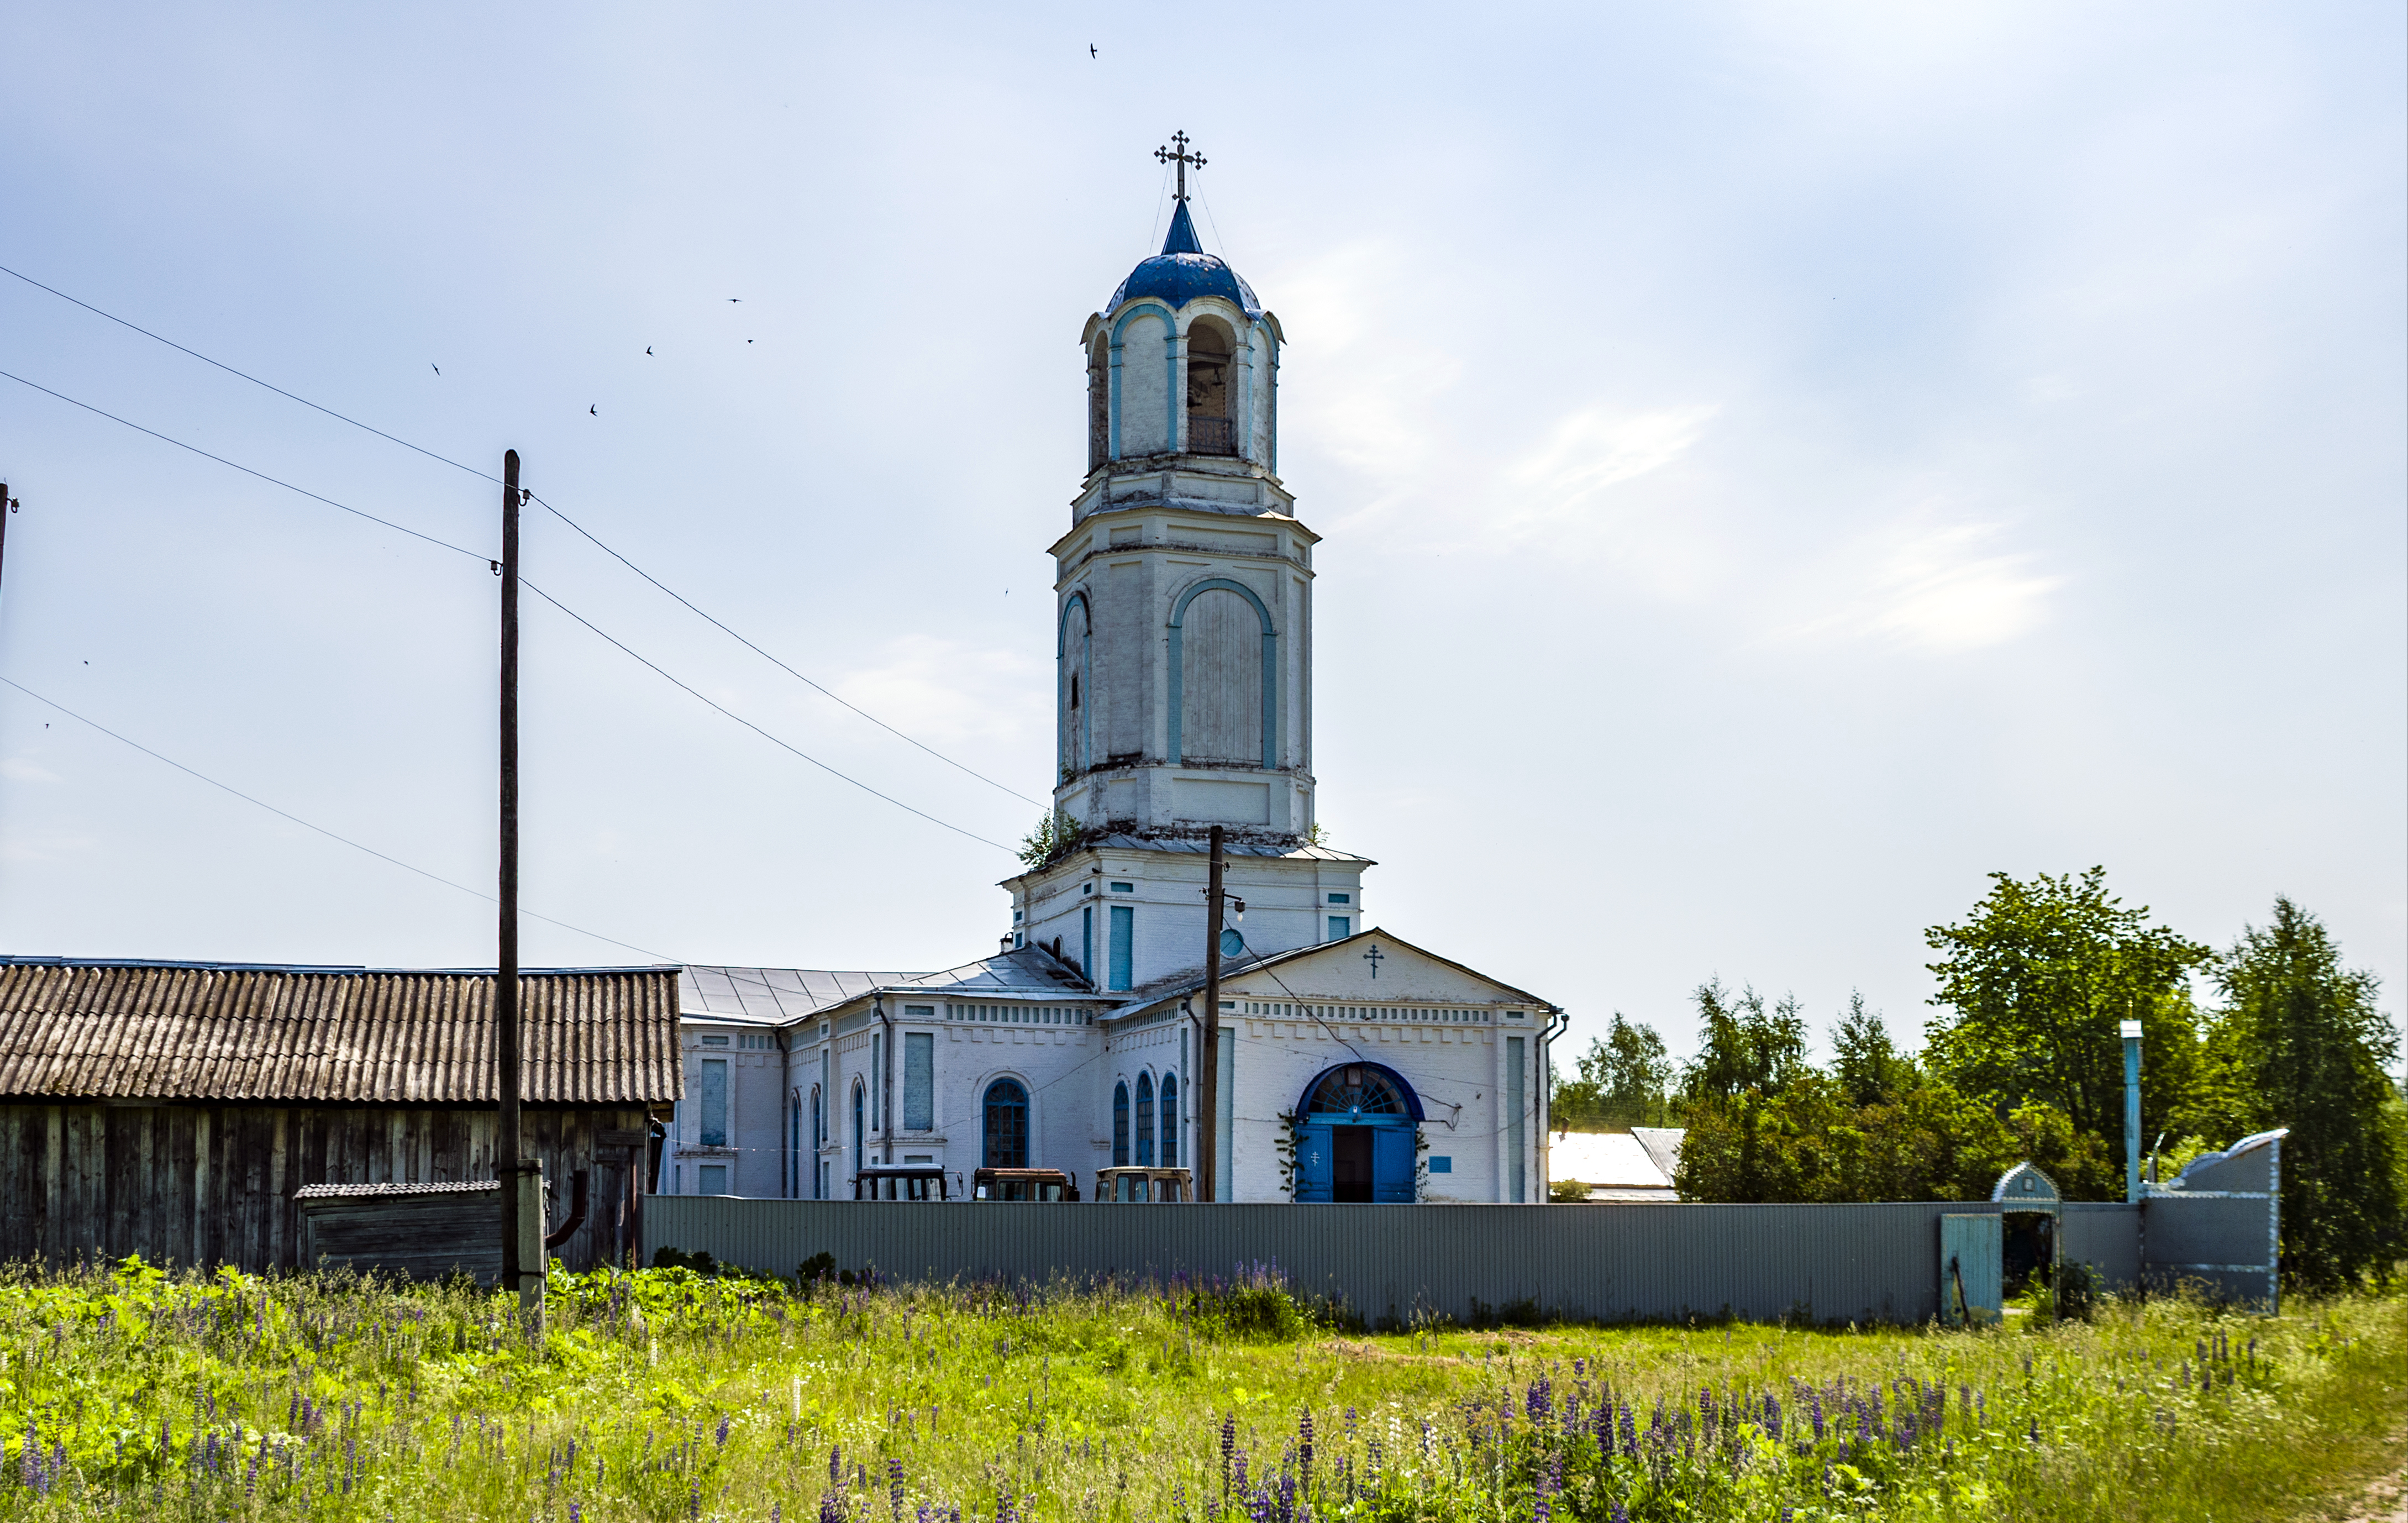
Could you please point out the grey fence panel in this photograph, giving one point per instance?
(2107, 1238)
(1834, 1263)
(2224, 1242)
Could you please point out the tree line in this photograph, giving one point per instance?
(2022, 1059)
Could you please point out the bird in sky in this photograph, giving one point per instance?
(734, 298)
(436, 368)
(1091, 49)
(648, 348)
(596, 410)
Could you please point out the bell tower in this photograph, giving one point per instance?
(1183, 601)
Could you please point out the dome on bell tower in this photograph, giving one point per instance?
(1184, 271)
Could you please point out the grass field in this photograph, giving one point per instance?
(126, 1392)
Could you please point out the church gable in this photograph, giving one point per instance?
(1368, 968)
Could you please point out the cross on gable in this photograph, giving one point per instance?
(1372, 958)
(1181, 158)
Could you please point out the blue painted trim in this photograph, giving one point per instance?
(1085, 673)
(1270, 667)
(1136, 310)
(1412, 1101)
(1272, 426)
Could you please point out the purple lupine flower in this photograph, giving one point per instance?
(722, 1431)
(1229, 1441)
(836, 1464)
(895, 1487)
(1241, 1473)
(577, 1514)
(831, 1507)
(1304, 1446)
(1004, 1510)
(1620, 1515)
(1287, 1497)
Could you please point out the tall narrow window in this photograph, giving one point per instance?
(1516, 1187)
(1124, 945)
(877, 1076)
(1145, 1121)
(1170, 1120)
(1007, 1125)
(1120, 1125)
(714, 1102)
(919, 1080)
(860, 1131)
(1087, 942)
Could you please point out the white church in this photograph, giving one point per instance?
(1354, 1065)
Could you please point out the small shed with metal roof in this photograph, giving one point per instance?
(175, 1108)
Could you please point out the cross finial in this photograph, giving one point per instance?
(1372, 958)
(1181, 158)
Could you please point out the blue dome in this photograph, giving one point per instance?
(1183, 272)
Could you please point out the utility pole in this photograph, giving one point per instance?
(1207, 1088)
(508, 1167)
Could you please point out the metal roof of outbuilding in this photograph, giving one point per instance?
(121, 1029)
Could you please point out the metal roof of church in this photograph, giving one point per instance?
(789, 993)
(1184, 271)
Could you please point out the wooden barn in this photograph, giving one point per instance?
(174, 1110)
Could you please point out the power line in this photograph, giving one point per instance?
(683, 601)
(531, 587)
(286, 814)
(271, 480)
(757, 729)
(780, 665)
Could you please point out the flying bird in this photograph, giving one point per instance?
(436, 368)
(1091, 49)
(596, 410)
(648, 348)
(734, 298)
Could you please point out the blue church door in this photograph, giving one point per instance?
(1355, 1135)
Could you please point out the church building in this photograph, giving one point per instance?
(1354, 1065)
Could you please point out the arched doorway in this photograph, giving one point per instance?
(1355, 1132)
(1007, 1125)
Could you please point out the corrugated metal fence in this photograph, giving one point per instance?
(1821, 1263)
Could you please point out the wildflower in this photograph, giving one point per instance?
(1304, 1451)
(895, 1487)
(1228, 1440)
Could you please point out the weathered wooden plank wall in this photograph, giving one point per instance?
(213, 1184)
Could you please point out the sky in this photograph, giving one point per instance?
(1778, 465)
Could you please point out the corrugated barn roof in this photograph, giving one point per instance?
(200, 1031)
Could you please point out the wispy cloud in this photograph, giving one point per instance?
(947, 692)
(1940, 587)
(17, 769)
(1592, 451)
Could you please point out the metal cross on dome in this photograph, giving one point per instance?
(1372, 958)
(1182, 158)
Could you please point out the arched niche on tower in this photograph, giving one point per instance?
(1074, 674)
(1224, 709)
(1144, 393)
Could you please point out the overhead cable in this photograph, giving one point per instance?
(659, 586)
(563, 608)
(286, 814)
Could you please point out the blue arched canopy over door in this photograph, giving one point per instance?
(1007, 1125)
(1355, 1135)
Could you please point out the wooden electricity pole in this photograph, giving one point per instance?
(508, 1166)
(1207, 1088)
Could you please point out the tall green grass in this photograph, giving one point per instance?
(126, 1392)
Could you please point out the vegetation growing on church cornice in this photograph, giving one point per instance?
(1055, 836)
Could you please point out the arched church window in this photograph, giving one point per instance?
(1099, 405)
(1169, 1121)
(1210, 430)
(1007, 1125)
(1145, 1121)
(1074, 690)
(1120, 1125)
(1357, 1090)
